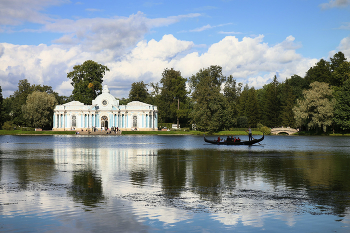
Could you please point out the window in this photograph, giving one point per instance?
(74, 121)
(134, 122)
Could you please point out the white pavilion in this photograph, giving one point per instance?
(104, 113)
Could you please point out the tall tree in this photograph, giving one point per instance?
(248, 108)
(316, 109)
(337, 60)
(208, 106)
(297, 84)
(173, 97)
(272, 104)
(242, 102)
(342, 107)
(321, 72)
(39, 109)
(87, 80)
(252, 109)
(14, 103)
(18, 99)
(287, 104)
(2, 112)
(138, 92)
(341, 74)
(231, 94)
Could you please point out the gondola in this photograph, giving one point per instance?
(235, 143)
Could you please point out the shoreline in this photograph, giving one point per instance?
(170, 133)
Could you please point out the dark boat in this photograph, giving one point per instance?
(235, 143)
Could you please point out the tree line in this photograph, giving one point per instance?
(210, 101)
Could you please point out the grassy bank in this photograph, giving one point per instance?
(172, 132)
(310, 133)
(19, 132)
(179, 132)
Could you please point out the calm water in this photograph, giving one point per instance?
(173, 184)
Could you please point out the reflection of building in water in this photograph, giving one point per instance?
(105, 112)
(107, 160)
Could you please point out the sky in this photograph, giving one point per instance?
(252, 40)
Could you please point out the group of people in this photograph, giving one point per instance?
(229, 139)
(234, 139)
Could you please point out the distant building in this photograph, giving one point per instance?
(105, 112)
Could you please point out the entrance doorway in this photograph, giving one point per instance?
(104, 122)
(134, 122)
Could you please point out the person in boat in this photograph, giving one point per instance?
(228, 139)
(249, 133)
(219, 139)
(238, 139)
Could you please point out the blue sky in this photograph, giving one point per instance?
(41, 40)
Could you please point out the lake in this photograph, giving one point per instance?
(139, 183)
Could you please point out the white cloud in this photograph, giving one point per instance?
(118, 34)
(335, 3)
(230, 33)
(206, 27)
(345, 47)
(250, 60)
(14, 12)
(345, 26)
(42, 64)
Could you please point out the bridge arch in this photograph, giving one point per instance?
(287, 130)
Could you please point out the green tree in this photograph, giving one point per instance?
(252, 109)
(208, 109)
(138, 92)
(231, 94)
(87, 81)
(321, 72)
(154, 94)
(248, 107)
(39, 109)
(342, 107)
(337, 60)
(173, 97)
(297, 84)
(272, 104)
(2, 109)
(17, 100)
(287, 104)
(341, 74)
(242, 102)
(316, 109)
(13, 104)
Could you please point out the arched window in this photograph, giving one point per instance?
(134, 122)
(74, 121)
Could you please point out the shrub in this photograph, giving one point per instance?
(27, 129)
(8, 125)
(266, 130)
(167, 125)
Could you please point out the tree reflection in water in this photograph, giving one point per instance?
(294, 178)
(138, 177)
(86, 188)
(172, 169)
(33, 166)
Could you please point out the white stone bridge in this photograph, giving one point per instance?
(287, 130)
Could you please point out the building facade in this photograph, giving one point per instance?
(105, 113)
